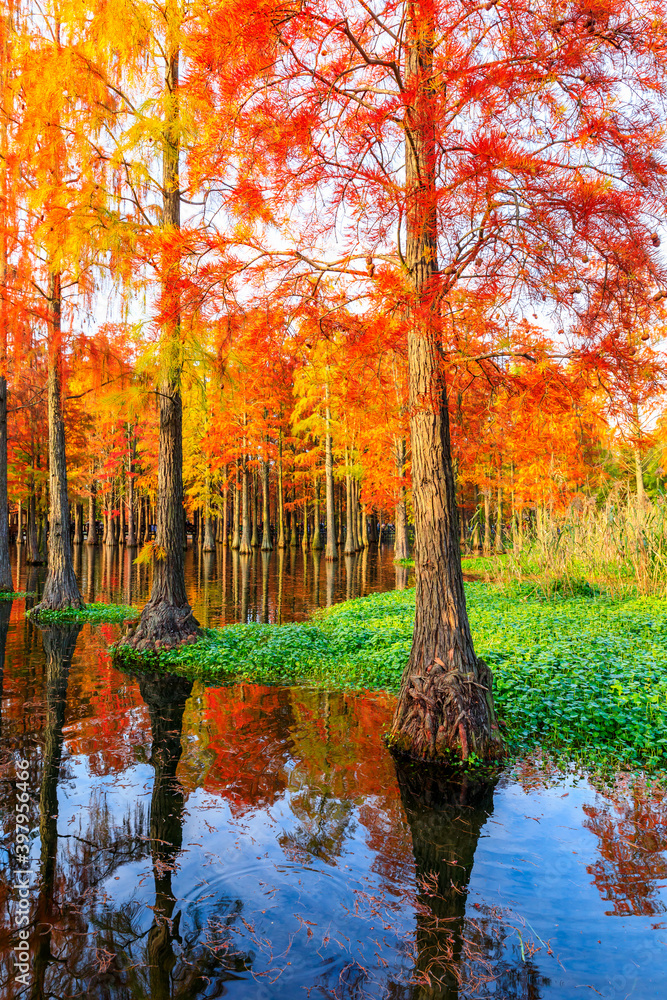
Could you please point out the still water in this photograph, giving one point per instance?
(255, 842)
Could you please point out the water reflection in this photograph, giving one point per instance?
(258, 842)
(224, 586)
(59, 644)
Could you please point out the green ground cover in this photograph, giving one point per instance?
(96, 613)
(586, 675)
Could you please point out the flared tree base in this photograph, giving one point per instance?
(447, 716)
(61, 593)
(161, 626)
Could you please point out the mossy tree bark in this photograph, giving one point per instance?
(61, 589)
(445, 705)
(167, 617)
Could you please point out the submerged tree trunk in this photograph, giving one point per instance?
(167, 617)
(61, 589)
(445, 705)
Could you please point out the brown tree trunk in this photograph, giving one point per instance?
(267, 544)
(317, 539)
(282, 540)
(445, 705)
(487, 521)
(131, 530)
(254, 540)
(33, 557)
(498, 546)
(245, 548)
(350, 545)
(401, 544)
(167, 617)
(331, 552)
(78, 524)
(61, 589)
(236, 536)
(91, 538)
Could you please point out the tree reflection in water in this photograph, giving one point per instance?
(456, 955)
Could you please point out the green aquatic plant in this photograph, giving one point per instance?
(584, 675)
(96, 613)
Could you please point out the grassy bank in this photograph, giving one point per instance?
(586, 674)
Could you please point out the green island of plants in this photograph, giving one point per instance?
(584, 675)
(97, 613)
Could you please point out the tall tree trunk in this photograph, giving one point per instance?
(254, 541)
(305, 541)
(331, 552)
(131, 530)
(445, 705)
(61, 589)
(317, 539)
(282, 542)
(267, 544)
(363, 539)
(33, 556)
(293, 531)
(167, 617)
(78, 523)
(223, 523)
(209, 534)
(236, 536)
(91, 538)
(401, 544)
(487, 520)
(498, 546)
(245, 547)
(350, 546)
